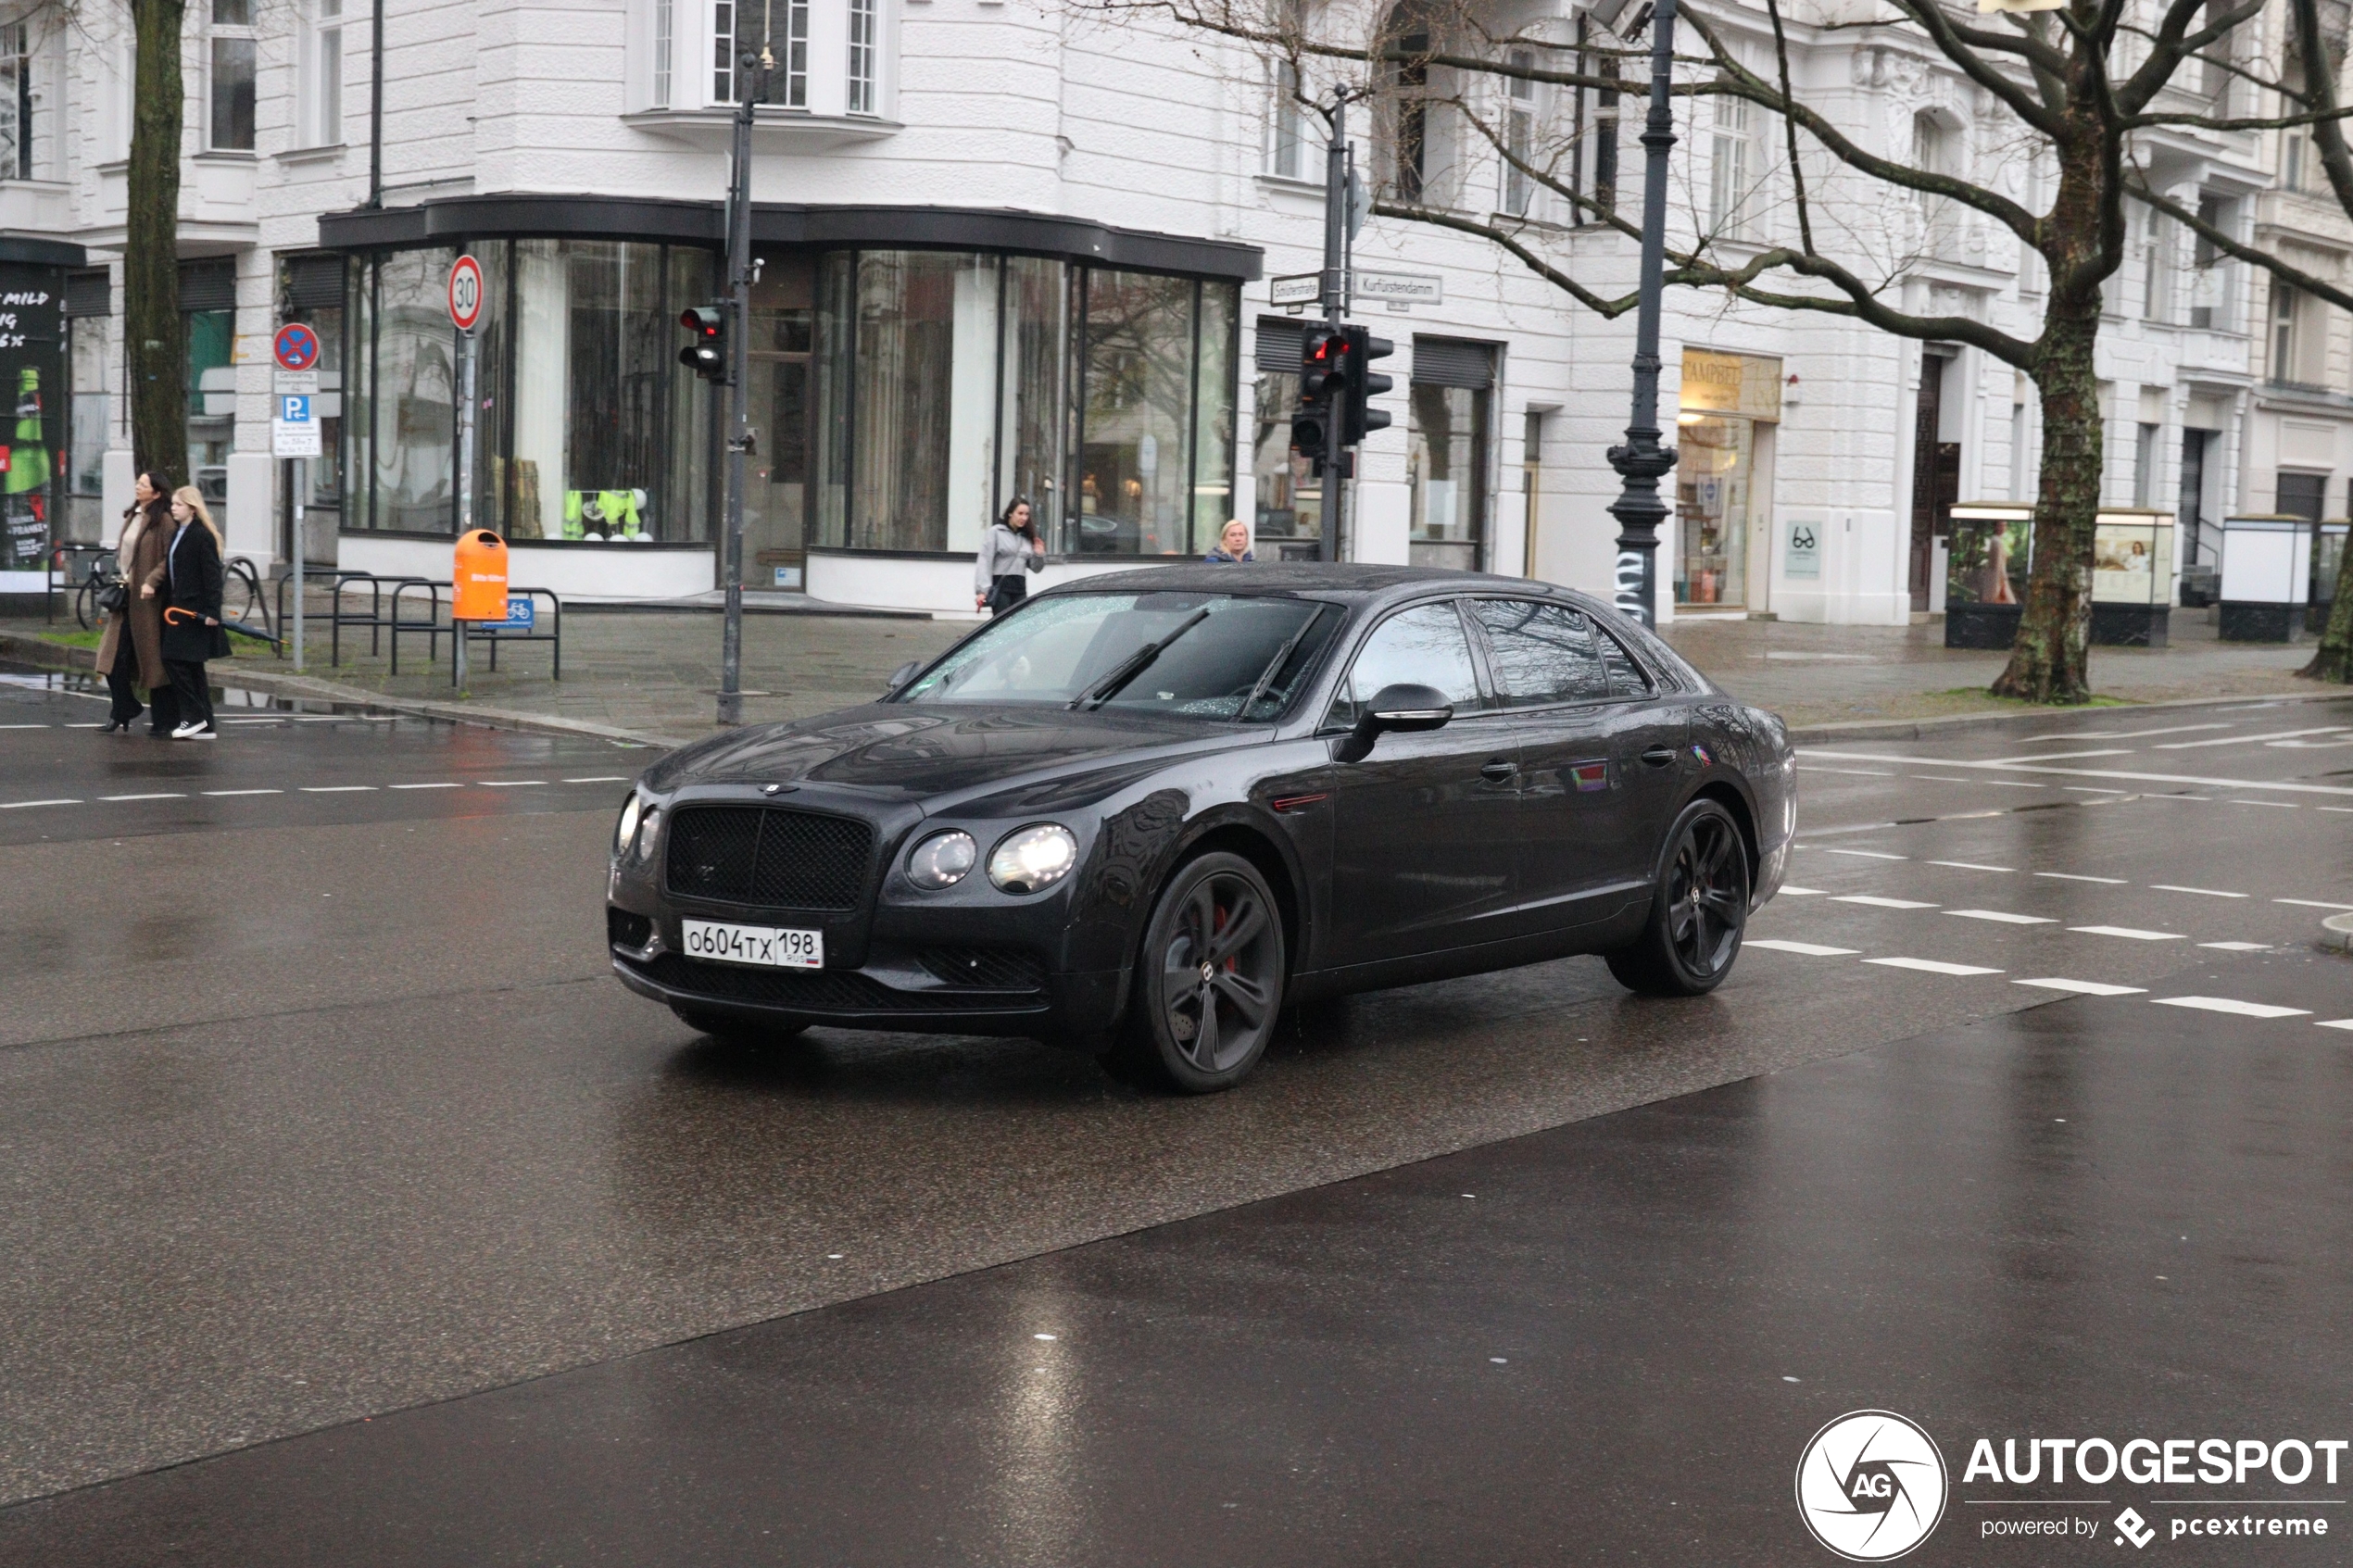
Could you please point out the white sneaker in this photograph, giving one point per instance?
(185, 730)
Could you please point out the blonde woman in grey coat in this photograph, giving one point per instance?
(1009, 549)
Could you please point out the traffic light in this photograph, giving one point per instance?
(1357, 417)
(1314, 426)
(706, 351)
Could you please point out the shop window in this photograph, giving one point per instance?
(310, 291)
(89, 343)
(231, 85)
(1213, 385)
(924, 407)
(403, 419)
(1447, 451)
(1133, 476)
(1712, 458)
(742, 28)
(17, 125)
(1035, 394)
(1290, 496)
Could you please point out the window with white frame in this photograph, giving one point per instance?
(740, 27)
(1286, 133)
(230, 82)
(665, 36)
(1519, 136)
(864, 54)
(16, 101)
(2156, 268)
(1936, 150)
(2212, 274)
(321, 76)
(1731, 170)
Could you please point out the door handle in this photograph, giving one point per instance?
(1659, 755)
(1499, 771)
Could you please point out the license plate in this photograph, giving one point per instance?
(766, 947)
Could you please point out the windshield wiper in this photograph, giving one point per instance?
(1134, 665)
(1274, 666)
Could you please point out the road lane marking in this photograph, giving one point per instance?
(2232, 1006)
(2136, 735)
(2238, 947)
(23, 726)
(2274, 804)
(1939, 778)
(2049, 756)
(85, 726)
(1858, 772)
(336, 789)
(21, 805)
(426, 786)
(2003, 916)
(164, 797)
(1804, 949)
(1802, 892)
(2312, 904)
(2202, 892)
(1877, 903)
(2333, 1024)
(1931, 966)
(2078, 876)
(2201, 780)
(2250, 740)
(2345, 809)
(2094, 789)
(602, 778)
(245, 792)
(1871, 854)
(2130, 933)
(508, 783)
(2084, 987)
(1967, 866)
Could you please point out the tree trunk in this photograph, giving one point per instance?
(2048, 662)
(156, 339)
(2334, 660)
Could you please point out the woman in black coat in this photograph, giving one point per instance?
(189, 582)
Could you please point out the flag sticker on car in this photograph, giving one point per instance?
(1590, 776)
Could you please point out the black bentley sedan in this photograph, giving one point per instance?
(1143, 813)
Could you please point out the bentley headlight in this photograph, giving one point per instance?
(627, 828)
(649, 835)
(942, 860)
(1034, 859)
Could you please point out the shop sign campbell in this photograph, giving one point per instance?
(1871, 1486)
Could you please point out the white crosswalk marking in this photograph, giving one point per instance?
(2084, 987)
(1933, 966)
(2003, 916)
(2131, 933)
(2248, 740)
(2232, 1006)
(1804, 949)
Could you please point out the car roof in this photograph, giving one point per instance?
(1338, 579)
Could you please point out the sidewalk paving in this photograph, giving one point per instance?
(653, 673)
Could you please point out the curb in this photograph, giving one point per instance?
(1931, 729)
(32, 650)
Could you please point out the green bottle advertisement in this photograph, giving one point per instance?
(31, 360)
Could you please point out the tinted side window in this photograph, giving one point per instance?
(1425, 646)
(1625, 677)
(1542, 653)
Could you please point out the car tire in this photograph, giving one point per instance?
(737, 1031)
(1209, 980)
(1699, 909)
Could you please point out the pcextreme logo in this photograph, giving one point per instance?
(1871, 1486)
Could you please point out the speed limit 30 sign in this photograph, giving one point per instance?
(465, 293)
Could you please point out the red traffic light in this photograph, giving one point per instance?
(707, 355)
(705, 322)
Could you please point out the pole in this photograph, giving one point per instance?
(731, 654)
(1335, 462)
(1643, 460)
(297, 554)
(466, 411)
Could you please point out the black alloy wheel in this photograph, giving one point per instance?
(1209, 982)
(1698, 912)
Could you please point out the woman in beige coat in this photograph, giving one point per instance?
(146, 533)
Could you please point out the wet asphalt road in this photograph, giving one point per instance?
(320, 1106)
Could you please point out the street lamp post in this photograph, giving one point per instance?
(752, 85)
(1643, 460)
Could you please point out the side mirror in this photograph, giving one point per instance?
(903, 674)
(1403, 707)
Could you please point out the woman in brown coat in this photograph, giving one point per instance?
(146, 533)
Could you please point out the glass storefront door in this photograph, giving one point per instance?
(1715, 455)
(776, 474)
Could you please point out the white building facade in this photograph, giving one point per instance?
(1024, 248)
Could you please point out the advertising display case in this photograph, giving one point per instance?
(1987, 557)
(2131, 578)
(2267, 577)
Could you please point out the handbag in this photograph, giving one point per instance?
(115, 597)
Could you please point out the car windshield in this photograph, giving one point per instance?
(1219, 654)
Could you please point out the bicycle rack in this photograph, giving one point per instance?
(430, 625)
(242, 567)
(489, 631)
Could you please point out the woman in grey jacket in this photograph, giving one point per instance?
(1009, 548)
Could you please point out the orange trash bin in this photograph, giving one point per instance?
(480, 577)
